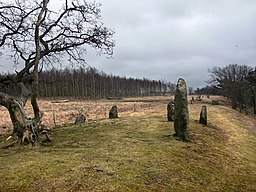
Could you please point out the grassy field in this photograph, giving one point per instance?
(137, 152)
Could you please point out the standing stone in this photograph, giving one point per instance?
(80, 119)
(113, 112)
(203, 115)
(181, 116)
(170, 111)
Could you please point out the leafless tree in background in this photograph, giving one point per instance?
(236, 82)
(35, 35)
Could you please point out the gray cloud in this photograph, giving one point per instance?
(168, 39)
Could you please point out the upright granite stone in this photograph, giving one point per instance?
(113, 113)
(80, 119)
(170, 111)
(181, 116)
(203, 115)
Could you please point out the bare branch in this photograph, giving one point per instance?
(68, 32)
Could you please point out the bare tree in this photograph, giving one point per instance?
(252, 83)
(37, 35)
(233, 83)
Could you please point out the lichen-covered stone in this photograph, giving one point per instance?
(113, 113)
(170, 111)
(203, 115)
(181, 116)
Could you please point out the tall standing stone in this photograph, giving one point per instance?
(170, 111)
(113, 113)
(181, 116)
(203, 115)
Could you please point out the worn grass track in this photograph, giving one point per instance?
(137, 152)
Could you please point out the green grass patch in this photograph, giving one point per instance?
(132, 153)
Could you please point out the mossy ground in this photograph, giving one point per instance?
(138, 152)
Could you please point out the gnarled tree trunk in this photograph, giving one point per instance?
(18, 117)
(23, 127)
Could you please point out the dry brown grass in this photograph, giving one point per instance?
(65, 113)
(137, 152)
(58, 114)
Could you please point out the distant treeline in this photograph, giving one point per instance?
(236, 82)
(92, 84)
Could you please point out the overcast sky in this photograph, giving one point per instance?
(168, 39)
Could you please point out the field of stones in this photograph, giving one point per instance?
(135, 152)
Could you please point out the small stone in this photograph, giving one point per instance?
(80, 119)
(113, 113)
(170, 111)
(203, 115)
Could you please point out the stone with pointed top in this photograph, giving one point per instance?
(181, 115)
